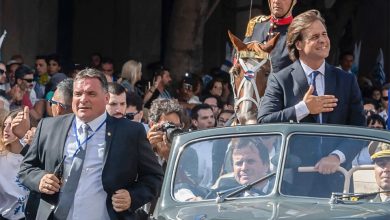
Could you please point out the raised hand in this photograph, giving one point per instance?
(21, 123)
(319, 104)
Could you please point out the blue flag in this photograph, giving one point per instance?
(388, 113)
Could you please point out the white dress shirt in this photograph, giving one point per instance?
(90, 197)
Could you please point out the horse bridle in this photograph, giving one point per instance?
(246, 97)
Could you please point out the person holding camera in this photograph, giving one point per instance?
(164, 114)
(186, 94)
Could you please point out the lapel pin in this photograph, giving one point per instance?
(109, 133)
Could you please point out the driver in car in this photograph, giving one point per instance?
(380, 154)
(250, 163)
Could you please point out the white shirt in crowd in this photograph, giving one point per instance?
(13, 195)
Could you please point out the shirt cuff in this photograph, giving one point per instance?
(339, 154)
(301, 110)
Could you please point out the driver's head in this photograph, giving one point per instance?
(380, 154)
(250, 160)
(281, 8)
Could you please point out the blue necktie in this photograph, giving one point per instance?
(69, 188)
(313, 77)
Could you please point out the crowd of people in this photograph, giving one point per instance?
(59, 150)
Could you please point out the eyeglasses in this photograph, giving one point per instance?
(385, 98)
(2, 71)
(52, 102)
(29, 80)
(131, 115)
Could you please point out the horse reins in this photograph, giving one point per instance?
(237, 100)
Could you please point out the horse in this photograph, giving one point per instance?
(249, 75)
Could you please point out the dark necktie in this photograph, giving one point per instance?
(69, 189)
(313, 77)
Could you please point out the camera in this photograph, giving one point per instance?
(188, 81)
(171, 130)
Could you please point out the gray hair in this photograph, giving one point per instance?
(65, 90)
(93, 73)
(164, 106)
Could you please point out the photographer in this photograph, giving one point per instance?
(165, 115)
(186, 95)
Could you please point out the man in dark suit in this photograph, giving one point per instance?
(118, 172)
(310, 90)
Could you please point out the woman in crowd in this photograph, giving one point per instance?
(214, 87)
(13, 195)
(131, 74)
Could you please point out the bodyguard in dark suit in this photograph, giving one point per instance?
(310, 90)
(118, 170)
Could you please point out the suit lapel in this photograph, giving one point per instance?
(299, 78)
(330, 87)
(63, 135)
(110, 127)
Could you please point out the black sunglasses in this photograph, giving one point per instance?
(29, 80)
(385, 98)
(131, 115)
(52, 102)
(2, 72)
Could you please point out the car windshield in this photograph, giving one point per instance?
(210, 167)
(307, 154)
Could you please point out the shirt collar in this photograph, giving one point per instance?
(309, 70)
(94, 124)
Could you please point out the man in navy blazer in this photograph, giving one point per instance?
(310, 90)
(120, 171)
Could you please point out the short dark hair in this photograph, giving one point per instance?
(93, 73)
(23, 70)
(42, 57)
(297, 26)
(226, 111)
(54, 57)
(348, 53)
(132, 99)
(164, 106)
(159, 71)
(195, 110)
(373, 118)
(115, 88)
(65, 88)
(219, 101)
(243, 142)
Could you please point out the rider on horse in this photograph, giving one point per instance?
(262, 28)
